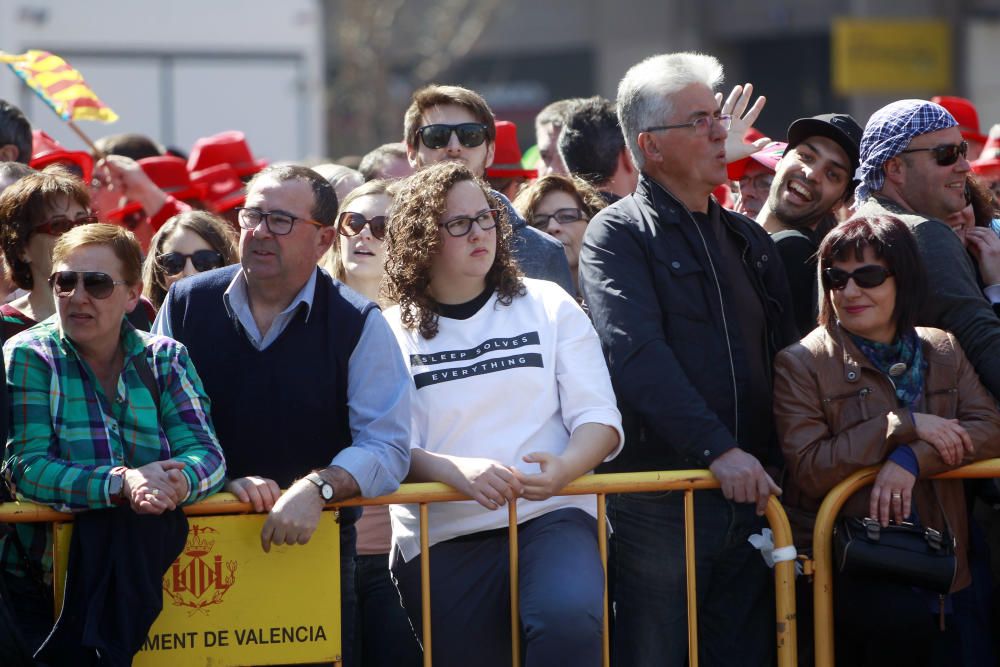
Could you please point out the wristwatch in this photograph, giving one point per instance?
(116, 484)
(325, 488)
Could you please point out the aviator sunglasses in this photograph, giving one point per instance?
(97, 284)
(202, 260)
(946, 154)
(438, 135)
(868, 276)
(351, 224)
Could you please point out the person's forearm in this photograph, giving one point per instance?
(588, 445)
(344, 485)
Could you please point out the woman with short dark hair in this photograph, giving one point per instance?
(868, 388)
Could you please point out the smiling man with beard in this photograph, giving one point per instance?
(914, 166)
(811, 180)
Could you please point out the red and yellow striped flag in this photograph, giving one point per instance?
(59, 85)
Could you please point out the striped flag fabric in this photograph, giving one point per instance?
(59, 85)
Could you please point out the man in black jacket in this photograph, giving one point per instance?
(691, 303)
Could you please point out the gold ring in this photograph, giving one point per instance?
(897, 495)
(155, 492)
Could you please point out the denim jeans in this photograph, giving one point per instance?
(561, 589)
(384, 635)
(736, 621)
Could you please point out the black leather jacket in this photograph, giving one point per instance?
(677, 359)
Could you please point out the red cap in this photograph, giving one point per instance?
(989, 159)
(752, 134)
(965, 113)
(507, 158)
(171, 175)
(768, 156)
(45, 151)
(222, 185)
(229, 148)
(724, 196)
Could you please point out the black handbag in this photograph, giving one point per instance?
(902, 552)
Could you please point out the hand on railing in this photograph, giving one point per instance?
(488, 482)
(891, 494)
(744, 479)
(155, 487)
(947, 436)
(260, 492)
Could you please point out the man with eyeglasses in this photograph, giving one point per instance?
(691, 303)
(305, 394)
(914, 166)
(455, 123)
(812, 179)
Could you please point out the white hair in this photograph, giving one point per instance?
(644, 92)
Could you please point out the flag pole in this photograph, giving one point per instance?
(80, 133)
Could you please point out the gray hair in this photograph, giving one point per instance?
(644, 92)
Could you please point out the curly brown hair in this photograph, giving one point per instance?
(24, 205)
(414, 238)
(586, 196)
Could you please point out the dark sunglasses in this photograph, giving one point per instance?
(202, 260)
(469, 135)
(563, 216)
(870, 275)
(946, 154)
(97, 284)
(351, 224)
(60, 225)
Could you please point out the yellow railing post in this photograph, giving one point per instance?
(425, 586)
(602, 548)
(515, 617)
(691, 574)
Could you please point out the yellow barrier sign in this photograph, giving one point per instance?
(906, 57)
(226, 602)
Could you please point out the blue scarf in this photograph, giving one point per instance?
(906, 350)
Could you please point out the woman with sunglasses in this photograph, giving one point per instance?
(868, 388)
(101, 414)
(187, 244)
(34, 212)
(511, 401)
(561, 207)
(357, 257)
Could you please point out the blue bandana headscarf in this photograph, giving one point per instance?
(889, 131)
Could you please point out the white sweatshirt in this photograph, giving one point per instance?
(508, 381)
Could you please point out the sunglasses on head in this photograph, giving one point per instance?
(870, 275)
(946, 154)
(469, 135)
(59, 225)
(202, 260)
(351, 224)
(97, 284)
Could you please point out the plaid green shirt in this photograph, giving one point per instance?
(66, 435)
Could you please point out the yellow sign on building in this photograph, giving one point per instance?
(226, 602)
(900, 57)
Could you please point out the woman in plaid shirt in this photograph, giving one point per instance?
(101, 414)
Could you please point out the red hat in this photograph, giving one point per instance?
(965, 113)
(768, 156)
(229, 148)
(222, 186)
(724, 196)
(171, 175)
(752, 134)
(45, 151)
(507, 158)
(989, 159)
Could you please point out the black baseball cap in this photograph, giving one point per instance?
(839, 127)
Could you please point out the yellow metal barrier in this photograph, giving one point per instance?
(599, 486)
(823, 546)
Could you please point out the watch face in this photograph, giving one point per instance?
(326, 491)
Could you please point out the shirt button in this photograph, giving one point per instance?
(707, 453)
(851, 375)
(759, 264)
(114, 427)
(763, 257)
(676, 265)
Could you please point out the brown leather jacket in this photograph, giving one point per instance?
(836, 414)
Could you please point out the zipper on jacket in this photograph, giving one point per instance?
(863, 395)
(725, 328)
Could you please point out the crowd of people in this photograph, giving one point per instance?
(666, 289)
